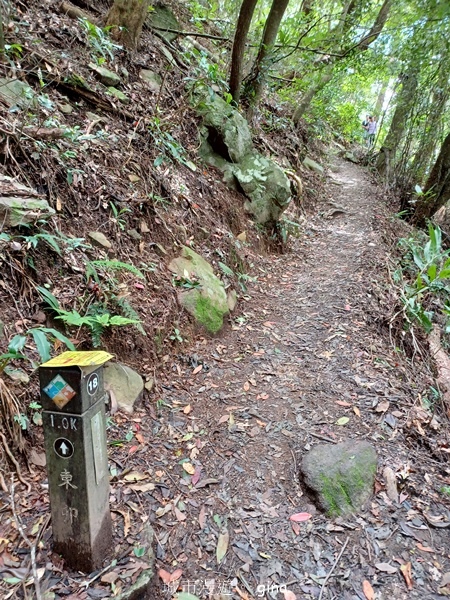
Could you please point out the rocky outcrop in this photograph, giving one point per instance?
(341, 476)
(227, 144)
(206, 300)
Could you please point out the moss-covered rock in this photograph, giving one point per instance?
(266, 186)
(341, 475)
(21, 209)
(206, 301)
(227, 145)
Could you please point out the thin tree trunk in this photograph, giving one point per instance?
(126, 18)
(260, 66)
(380, 100)
(390, 145)
(437, 188)
(338, 32)
(237, 55)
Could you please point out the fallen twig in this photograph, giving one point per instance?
(332, 568)
(32, 546)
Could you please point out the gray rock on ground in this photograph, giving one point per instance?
(341, 476)
(312, 165)
(227, 144)
(99, 239)
(20, 205)
(125, 384)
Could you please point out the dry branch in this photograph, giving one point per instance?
(77, 13)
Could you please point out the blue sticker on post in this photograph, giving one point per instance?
(59, 391)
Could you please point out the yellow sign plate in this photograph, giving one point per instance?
(79, 359)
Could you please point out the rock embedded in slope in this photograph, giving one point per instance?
(341, 476)
(125, 383)
(312, 165)
(152, 79)
(107, 77)
(207, 302)
(99, 239)
(21, 205)
(14, 92)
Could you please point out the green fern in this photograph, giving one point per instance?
(128, 311)
(93, 266)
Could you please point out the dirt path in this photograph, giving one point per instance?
(304, 354)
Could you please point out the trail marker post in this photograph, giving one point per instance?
(73, 400)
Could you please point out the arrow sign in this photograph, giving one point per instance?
(63, 448)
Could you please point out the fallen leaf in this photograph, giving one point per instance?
(223, 419)
(189, 468)
(196, 475)
(197, 369)
(356, 411)
(169, 577)
(187, 409)
(135, 476)
(391, 484)
(37, 458)
(382, 406)
(246, 386)
(343, 403)
(202, 517)
(222, 546)
(110, 577)
(142, 487)
(179, 515)
(295, 528)
(406, 572)
(204, 482)
(300, 517)
(342, 421)
(288, 595)
(368, 590)
(386, 568)
(424, 548)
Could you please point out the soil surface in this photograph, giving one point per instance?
(305, 352)
(214, 464)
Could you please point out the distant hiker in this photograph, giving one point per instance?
(371, 130)
(365, 126)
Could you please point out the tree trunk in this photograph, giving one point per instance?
(324, 78)
(126, 18)
(237, 55)
(338, 32)
(380, 100)
(427, 145)
(377, 26)
(405, 103)
(258, 75)
(437, 188)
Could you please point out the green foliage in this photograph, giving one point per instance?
(167, 145)
(176, 336)
(426, 266)
(42, 337)
(94, 266)
(97, 322)
(99, 41)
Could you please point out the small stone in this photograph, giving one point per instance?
(152, 79)
(242, 237)
(312, 165)
(14, 92)
(134, 234)
(342, 475)
(144, 227)
(125, 383)
(67, 109)
(92, 116)
(232, 300)
(134, 178)
(100, 239)
(107, 77)
(18, 375)
(118, 94)
(149, 385)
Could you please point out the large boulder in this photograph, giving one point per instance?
(341, 476)
(162, 19)
(265, 184)
(20, 205)
(124, 383)
(206, 301)
(227, 144)
(14, 92)
(227, 132)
